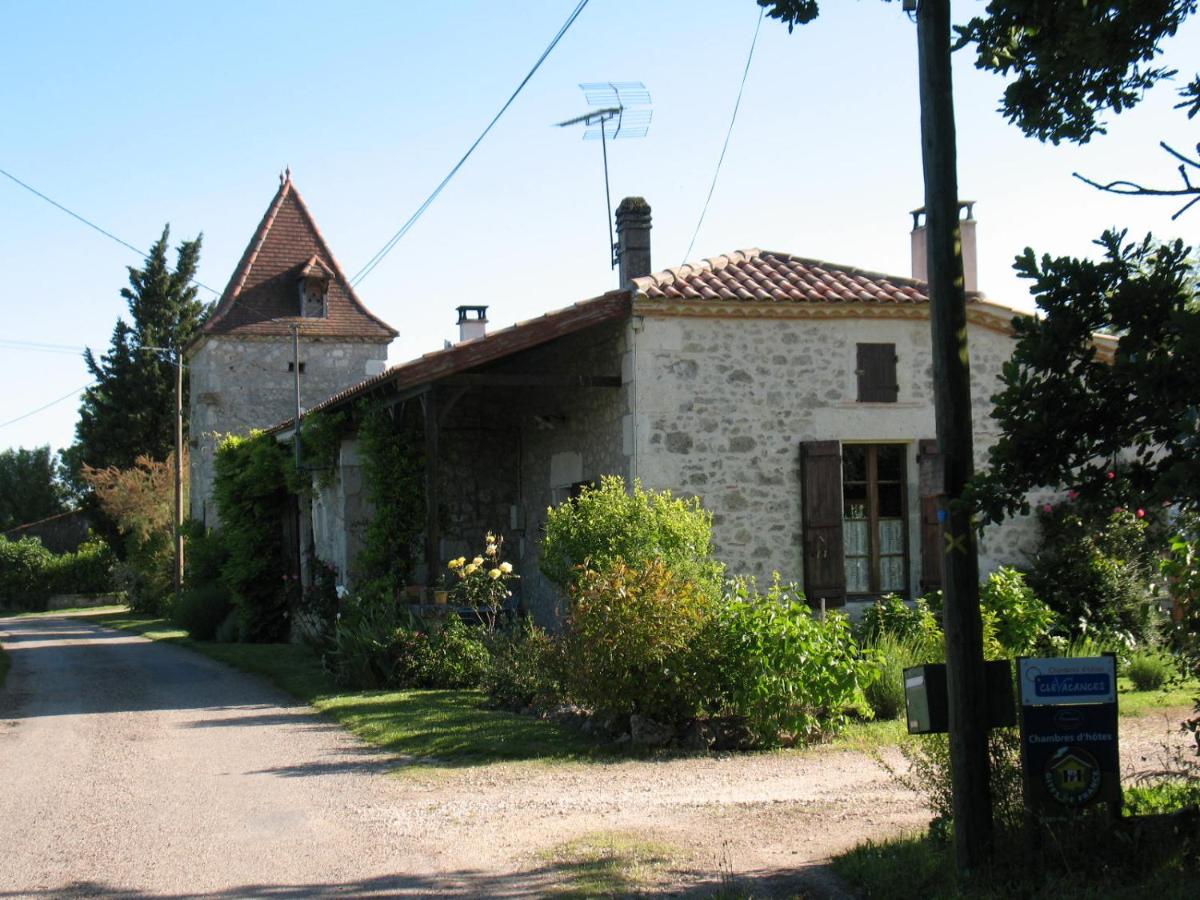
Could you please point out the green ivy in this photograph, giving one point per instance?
(250, 488)
(320, 441)
(394, 476)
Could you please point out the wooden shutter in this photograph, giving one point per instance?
(929, 460)
(877, 373)
(824, 566)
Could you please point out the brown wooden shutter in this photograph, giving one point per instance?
(824, 565)
(877, 373)
(929, 460)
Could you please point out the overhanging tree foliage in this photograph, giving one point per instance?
(1073, 410)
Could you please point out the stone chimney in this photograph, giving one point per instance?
(633, 239)
(472, 322)
(966, 230)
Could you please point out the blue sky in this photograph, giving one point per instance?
(139, 114)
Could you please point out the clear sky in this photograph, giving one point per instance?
(138, 114)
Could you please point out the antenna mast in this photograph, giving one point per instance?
(614, 99)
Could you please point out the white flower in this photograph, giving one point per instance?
(342, 591)
(505, 567)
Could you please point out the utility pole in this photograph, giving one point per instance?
(178, 475)
(965, 671)
(177, 354)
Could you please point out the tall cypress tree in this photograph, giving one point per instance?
(130, 409)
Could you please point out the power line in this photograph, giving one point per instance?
(395, 239)
(13, 344)
(728, 134)
(47, 406)
(90, 224)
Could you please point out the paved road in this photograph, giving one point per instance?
(132, 768)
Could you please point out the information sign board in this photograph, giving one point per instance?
(1069, 749)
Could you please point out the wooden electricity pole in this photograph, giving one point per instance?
(178, 475)
(952, 398)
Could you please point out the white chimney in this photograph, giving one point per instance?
(966, 231)
(472, 322)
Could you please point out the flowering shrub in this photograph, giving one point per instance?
(483, 582)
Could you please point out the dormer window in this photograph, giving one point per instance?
(314, 289)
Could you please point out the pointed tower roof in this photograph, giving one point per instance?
(262, 296)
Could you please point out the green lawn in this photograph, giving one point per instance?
(432, 727)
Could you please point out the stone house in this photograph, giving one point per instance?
(287, 326)
(793, 395)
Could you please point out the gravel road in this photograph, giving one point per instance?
(135, 769)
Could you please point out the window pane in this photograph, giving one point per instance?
(891, 462)
(854, 501)
(858, 576)
(891, 574)
(854, 463)
(890, 502)
(891, 536)
(854, 538)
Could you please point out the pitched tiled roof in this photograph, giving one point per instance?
(496, 345)
(767, 277)
(262, 296)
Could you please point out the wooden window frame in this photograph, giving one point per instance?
(874, 556)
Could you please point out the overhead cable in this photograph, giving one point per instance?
(728, 134)
(395, 239)
(88, 223)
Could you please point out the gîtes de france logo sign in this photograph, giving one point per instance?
(1053, 682)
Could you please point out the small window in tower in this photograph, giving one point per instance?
(292, 367)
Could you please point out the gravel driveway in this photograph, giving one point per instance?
(132, 768)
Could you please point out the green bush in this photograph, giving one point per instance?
(1150, 668)
(455, 656)
(23, 573)
(364, 650)
(524, 669)
(1023, 623)
(201, 610)
(250, 488)
(788, 674)
(608, 525)
(891, 615)
(629, 641)
(30, 574)
(929, 776)
(892, 655)
(1097, 571)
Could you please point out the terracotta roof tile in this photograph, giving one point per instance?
(262, 298)
(763, 276)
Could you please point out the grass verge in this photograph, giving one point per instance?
(608, 864)
(449, 728)
(1091, 864)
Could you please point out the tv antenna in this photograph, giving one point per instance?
(614, 120)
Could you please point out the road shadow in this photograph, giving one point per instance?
(811, 882)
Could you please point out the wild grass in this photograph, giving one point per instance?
(435, 728)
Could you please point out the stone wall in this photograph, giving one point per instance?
(238, 384)
(722, 405)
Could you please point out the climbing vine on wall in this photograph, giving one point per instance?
(250, 487)
(393, 462)
(321, 440)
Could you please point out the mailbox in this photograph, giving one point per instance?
(927, 702)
